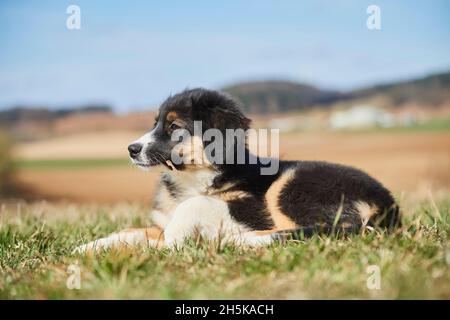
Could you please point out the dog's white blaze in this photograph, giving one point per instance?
(145, 140)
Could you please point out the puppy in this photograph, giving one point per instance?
(232, 200)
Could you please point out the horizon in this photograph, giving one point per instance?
(132, 57)
(149, 108)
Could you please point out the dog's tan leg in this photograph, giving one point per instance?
(131, 237)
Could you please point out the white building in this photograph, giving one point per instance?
(361, 117)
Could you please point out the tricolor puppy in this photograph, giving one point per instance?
(232, 200)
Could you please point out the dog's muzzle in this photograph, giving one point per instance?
(134, 150)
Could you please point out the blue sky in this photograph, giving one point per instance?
(132, 54)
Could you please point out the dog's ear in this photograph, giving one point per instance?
(220, 111)
(229, 118)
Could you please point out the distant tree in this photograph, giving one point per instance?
(6, 166)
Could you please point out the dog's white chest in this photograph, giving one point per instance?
(186, 185)
(194, 183)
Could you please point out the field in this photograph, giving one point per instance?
(62, 168)
(36, 260)
(91, 191)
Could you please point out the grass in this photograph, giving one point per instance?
(36, 241)
(437, 124)
(432, 125)
(69, 163)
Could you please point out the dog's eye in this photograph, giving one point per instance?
(174, 126)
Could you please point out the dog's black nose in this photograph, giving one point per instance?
(134, 149)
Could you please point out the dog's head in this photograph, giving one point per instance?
(178, 114)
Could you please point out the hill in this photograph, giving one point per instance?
(281, 96)
(30, 122)
(258, 97)
(432, 90)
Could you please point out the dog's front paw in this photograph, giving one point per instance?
(173, 242)
(95, 246)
